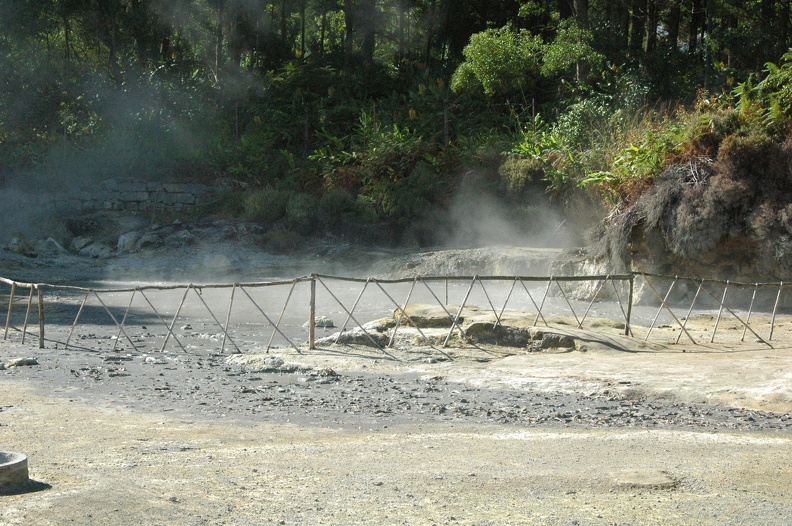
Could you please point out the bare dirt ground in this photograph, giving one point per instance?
(611, 431)
(623, 433)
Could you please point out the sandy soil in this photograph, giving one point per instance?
(616, 432)
(347, 436)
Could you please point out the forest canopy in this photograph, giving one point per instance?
(318, 113)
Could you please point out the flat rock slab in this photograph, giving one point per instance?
(644, 478)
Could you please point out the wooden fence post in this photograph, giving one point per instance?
(41, 315)
(312, 315)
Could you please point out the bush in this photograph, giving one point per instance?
(334, 205)
(518, 174)
(265, 206)
(302, 213)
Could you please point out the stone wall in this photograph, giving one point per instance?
(137, 196)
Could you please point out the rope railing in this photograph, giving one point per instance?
(273, 306)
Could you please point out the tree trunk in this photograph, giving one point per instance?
(651, 26)
(218, 51)
(783, 27)
(674, 19)
(67, 38)
(695, 26)
(582, 68)
(637, 25)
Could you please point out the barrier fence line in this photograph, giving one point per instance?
(652, 282)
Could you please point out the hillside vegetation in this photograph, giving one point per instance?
(411, 121)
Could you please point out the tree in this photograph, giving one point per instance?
(500, 62)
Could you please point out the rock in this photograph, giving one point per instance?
(21, 362)
(644, 478)
(553, 341)
(148, 240)
(81, 242)
(50, 247)
(179, 239)
(128, 242)
(426, 316)
(216, 261)
(322, 322)
(373, 336)
(485, 332)
(96, 250)
(259, 363)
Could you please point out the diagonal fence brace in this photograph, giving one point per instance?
(724, 306)
(651, 287)
(376, 344)
(120, 327)
(162, 320)
(198, 291)
(443, 305)
(455, 323)
(354, 306)
(269, 320)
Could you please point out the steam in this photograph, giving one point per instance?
(479, 218)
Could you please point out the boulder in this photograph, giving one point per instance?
(50, 247)
(96, 250)
(128, 242)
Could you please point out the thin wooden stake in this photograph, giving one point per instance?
(662, 304)
(269, 320)
(123, 320)
(668, 309)
(627, 329)
(720, 311)
(27, 314)
(541, 305)
(377, 345)
(228, 319)
(690, 310)
(354, 306)
(79, 311)
(538, 308)
(312, 316)
(198, 291)
(508, 297)
(41, 315)
(280, 318)
(593, 299)
(443, 306)
(750, 310)
(175, 317)
(399, 308)
(459, 312)
(116, 321)
(567, 301)
(162, 320)
(10, 305)
(759, 338)
(775, 309)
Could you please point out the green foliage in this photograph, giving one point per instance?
(772, 95)
(266, 206)
(301, 213)
(499, 61)
(542, 143)
(570, 46)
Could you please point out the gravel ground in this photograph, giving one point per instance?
(343, 436)
(623, 434)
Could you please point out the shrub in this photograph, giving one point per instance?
(265, 206)
(301, 213)
(517, 174)
(334, 205)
